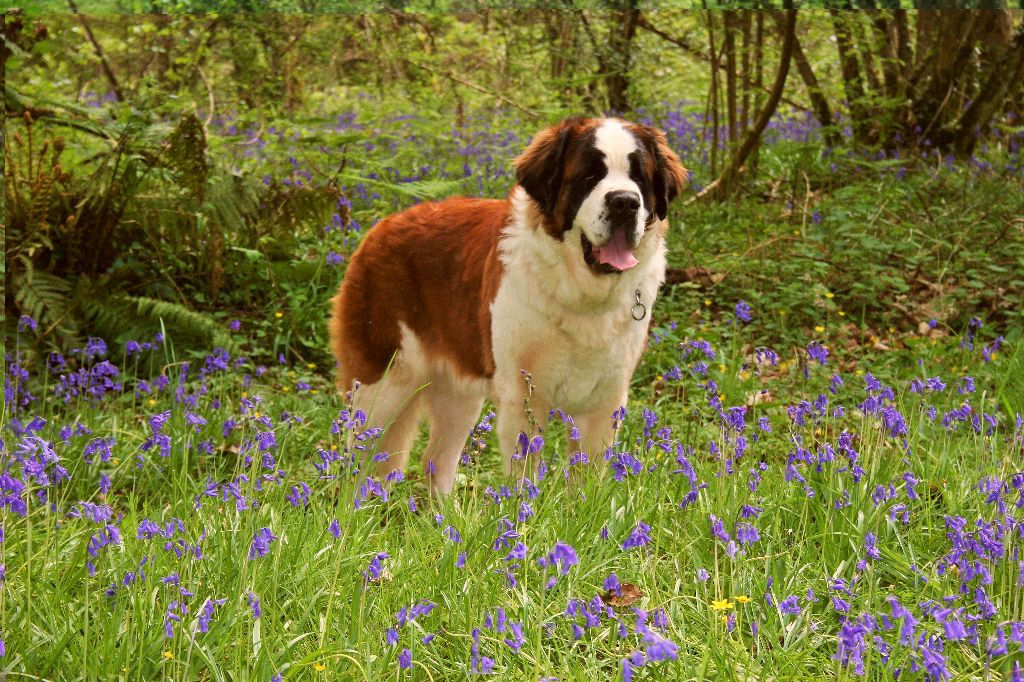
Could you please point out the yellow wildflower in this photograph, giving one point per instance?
(169, 655)
(721, 605)
(742, 599)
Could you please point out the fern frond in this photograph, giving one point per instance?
(231, 201)
(186, 154)
(180, 320)
(43, 296)
(418, 189)
(125, 317)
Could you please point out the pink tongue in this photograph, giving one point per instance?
(616, 253)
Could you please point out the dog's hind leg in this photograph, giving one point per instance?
(393, 405)
(452, 415)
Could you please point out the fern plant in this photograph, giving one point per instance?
(69, 239)
(125, 317)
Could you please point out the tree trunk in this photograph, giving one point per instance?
(115, 87)
(745, 68)
(729, 47)
(726, 182)
(819, 103)
(866, 50)
(954, 43)
(1003, 81)
(885, 32)
(853, 84)
(755, 155)
(713, 96)
(619, 57)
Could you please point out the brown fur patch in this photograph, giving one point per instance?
(670, 177)
(433, 267)
(548, 163)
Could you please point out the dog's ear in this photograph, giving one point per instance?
(540, 169)
(669, 175)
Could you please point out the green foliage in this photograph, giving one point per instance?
(44, 297)
(186, 155)
(253, 154)
(132, 183)
(122, 318)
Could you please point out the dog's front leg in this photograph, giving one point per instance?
(520, 422)
(598, 431)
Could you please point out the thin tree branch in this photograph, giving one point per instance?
(724, 184)
(1004, 80)
(474, 86)
(210, 98)
(107, 71)
(697, 53)
(822, 110)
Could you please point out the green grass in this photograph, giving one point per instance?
(321, 619)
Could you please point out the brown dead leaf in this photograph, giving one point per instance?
(700, 276)
(630, 594)
(385, 577)
(758, 397)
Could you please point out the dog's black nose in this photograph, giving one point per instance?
(622, 201)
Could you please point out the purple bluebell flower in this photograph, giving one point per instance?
(516, 640)
(818, 352)
(207, 613)
(25, 322)
(639, 537)
(790, 605)
(612, 584)
(375, 569)
(747, 534)
(299, 496)
(260, 546)
(659, 648)
(518, 553)
(852, 645)
(718, 528)
(561, 555)
(742, 311)
(871, 546)
(254, 603)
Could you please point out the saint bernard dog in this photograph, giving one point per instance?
(450, 302)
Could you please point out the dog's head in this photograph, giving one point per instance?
(603, 183)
